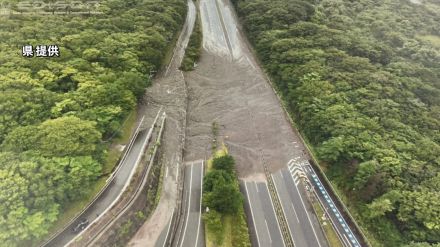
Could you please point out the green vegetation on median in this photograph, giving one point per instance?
(225, 221)
(192, 52)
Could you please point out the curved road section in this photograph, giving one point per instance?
(111, 192)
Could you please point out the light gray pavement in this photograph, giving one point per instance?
(164, 235)
(192, 233)
(303, 224)
(264, 227)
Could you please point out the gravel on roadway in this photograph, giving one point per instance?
(168, 91)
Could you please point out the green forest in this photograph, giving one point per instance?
(362, 81)
(58, 114)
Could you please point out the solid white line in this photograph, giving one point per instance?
(331, 219)
(189, 205)
(117, 170)
(268, 232)
(121, 192)
(200, 208)
(296, 215)
(349, 243)
(169, 227)
(284, 212)
(308, 217)
(252, 213)
(256, 187)
(273, 208)
(177, 172)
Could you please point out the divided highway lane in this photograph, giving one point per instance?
(111, 193)
(346, 234)
(192, 233)
(264, 227)
(303, 224)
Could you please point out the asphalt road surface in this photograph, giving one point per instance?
(303, 224)
(332, 212)
(192, 231)
(109, 196)
(162, 240)
(264, 227)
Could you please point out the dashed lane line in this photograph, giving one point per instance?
(307, 213)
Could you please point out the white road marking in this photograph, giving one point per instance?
(200, 207)
(284, 212)
(169, 227)
(331, 218)
(296, 215)
(290, 162)
(256, 187)
(252, 213)
(268, 232)
(348, 241)
(189, 206)
(278, 223)
(177, 172)
(308, 217)
(144, 144)
(166, 172)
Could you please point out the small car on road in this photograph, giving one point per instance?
(81, 225)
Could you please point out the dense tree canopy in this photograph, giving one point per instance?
(54, 112)
(362, 80)
(220, 188)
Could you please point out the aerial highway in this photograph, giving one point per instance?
(231, 89)
(115, 187)
(264, 227)
(191, 232)
(303, 224)
(348, 238)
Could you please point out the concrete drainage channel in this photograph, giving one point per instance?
(97, 234)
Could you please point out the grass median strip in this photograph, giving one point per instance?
(330, 233)
(224, 218)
